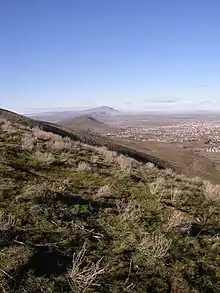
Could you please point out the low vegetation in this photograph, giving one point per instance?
(80, 218)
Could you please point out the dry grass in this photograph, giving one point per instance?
(84, 167)
(32, 190)
(169, 172)
(109, 156)
(157, 186)
(150, 165)
(212, 192)
(2, 120)
(104, 191)
(27, 142)
(124, 163)
(56, 144)
(59, 143)
(6, 222)
(82, 277)
(94, 159)
(45, 158)
(53, 142)
(40, 134)
(177, 221)
(154, 246)
(7, 126)
(130, 212)
(175, 194)
(126, 225)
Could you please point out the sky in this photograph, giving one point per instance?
(133, 55)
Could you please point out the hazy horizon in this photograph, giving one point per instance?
(121, 111)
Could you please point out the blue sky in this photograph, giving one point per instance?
(129, 54)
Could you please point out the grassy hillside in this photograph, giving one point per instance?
(80, 218)
(84, 137)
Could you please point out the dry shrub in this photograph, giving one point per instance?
(83, 166)
(94, 159)
(178, 221)
(196, 179)
(126, 226)
(109, 156)
(82, 277)
(104, 191)
(32, 189)
(157, 186)
(40, 134)
(8, 127)
(169, 172)
(27, 142)
(150, 165)
(3, 120)
(187, 180)
(45, 158)
(154, 246)
(212, 192)
(131, 212)
(55, 144)
(6, 222)
(59, 143)
(99, 150)
(124, 163)
(176, 194)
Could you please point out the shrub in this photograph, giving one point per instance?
(59, 143)
(94, 159)
(212, 192)
(157, 186)
(83, 166)
(178, 221)
(27, 142)
(8, 127)
(45, 158)
(55, 144)
(2, 120)
(6, 222)
(150, 165)
(124, 163)
(40, 134)
(109, 156)
(175, 194)
(103, 191)
(154, 246)
(82, 277)
(126, 226)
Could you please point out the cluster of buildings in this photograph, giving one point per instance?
(184, 131)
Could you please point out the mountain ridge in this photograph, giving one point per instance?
(58, 116)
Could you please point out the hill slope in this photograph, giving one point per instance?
(84, 137)
(81, 218)
(87, 123)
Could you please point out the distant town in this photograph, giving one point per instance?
(207, 132)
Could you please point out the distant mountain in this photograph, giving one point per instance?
(104, 109)
(57, 116)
